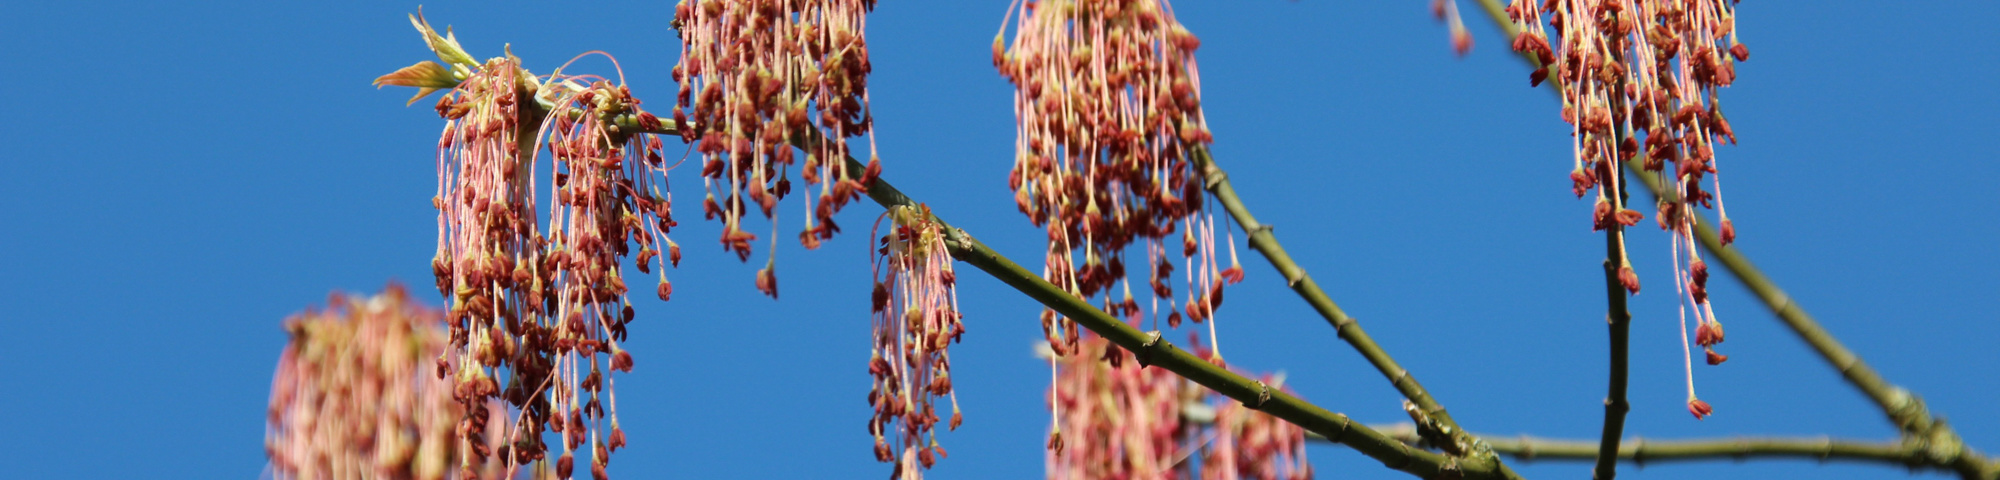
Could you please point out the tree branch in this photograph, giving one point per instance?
(1620, 320)
(1903, 408)
(1150, 349)
(1638, 450)
(1216, 181)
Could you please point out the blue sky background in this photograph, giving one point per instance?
(182, 176)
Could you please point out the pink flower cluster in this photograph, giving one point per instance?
(1640, 79)
(916, 321)
(354, 396)
(758, 78)
(1120, 420)
(1108, 108)
(536, 320)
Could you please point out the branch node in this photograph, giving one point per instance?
(1263, 395)
(1145, 353)
(1215, 177)
(1639, 451)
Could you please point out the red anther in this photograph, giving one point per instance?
(767, 281)
(1629, 279)
(1601, 216)
(1705, 336)
(621, 360)
(1581, 181)
(1699, 408)
(1742, 53)
(1233, 274)
(882, 450)
(1629, 217)
(1728, 232)
(1715, 358)
(880, 298)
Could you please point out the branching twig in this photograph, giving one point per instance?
(1638, 450)
(1903, 408)
(1262, 240)
(1150, 349)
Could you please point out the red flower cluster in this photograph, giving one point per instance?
(1108, 103)
(1123, 420)
(536, 320)
(758, 78)
(916, 321)
(354, 397)
(1640, 79)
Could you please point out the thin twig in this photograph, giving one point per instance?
(1216, 181)
(1620, 322)
(1639, 450)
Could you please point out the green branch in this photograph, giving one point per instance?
(1638, 450)
(1216, 181)
(1151, 350)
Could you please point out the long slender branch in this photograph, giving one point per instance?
(1904, 409)
(1150, 349)
(1638, 450)
(1347, 328)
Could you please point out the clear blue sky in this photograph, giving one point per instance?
(181, 176)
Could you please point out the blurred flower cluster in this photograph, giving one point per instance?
(1640, 79)
(916, 321)
(354, 396)
(1120, 420)
(758, 78)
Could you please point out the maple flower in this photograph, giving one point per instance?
(758, 78)
(916, 319)
(1640, 79)
(1108, 107)
(537, 320)
(354, 396)
(1119, 419)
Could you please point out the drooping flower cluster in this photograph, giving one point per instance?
(1640, 79)
(916, 321)
(354, 396)
(757, 78)
(1108, 108)
(1121, 420)
(537, 321)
